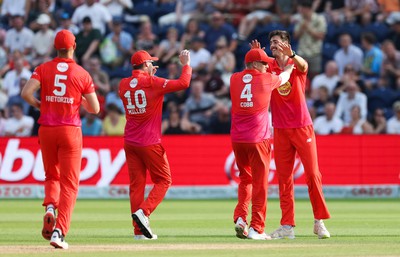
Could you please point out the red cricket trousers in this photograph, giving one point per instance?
(286, 143)
(253, 161)
(61, 153)
(140, 159)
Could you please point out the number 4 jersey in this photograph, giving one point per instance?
(250, 94)
(62, 84)
(143, 96)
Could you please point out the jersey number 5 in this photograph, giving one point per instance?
(139, 97)
(246, 93)
(57, 83)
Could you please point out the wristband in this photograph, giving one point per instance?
(293, 54)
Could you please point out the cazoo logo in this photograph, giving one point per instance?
(232, 170)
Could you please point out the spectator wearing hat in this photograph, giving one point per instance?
(117, 46)
(99, 15)
(41, 7)
(87, 41)
(42, 40)
(19, 37)
(66, 23)
(393, 124)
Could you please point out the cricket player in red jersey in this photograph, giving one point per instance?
(142, 95)
(294, 132)
(64, 86)
(250, 93)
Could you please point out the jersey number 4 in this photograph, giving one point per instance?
(246, 93)
(139, 98)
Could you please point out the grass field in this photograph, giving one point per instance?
(202, 228)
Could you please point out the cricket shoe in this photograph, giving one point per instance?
(241, 228)
(142, 237)
(143, 222)
(57, 240)
(283, 233)
(257, 236)
(49, 223)
(320, 230)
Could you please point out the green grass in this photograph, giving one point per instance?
(202, 228)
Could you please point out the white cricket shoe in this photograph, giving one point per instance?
(142, 237)
(257, 236)
(49, 223)
(57, 240)
(320, 230)
(241, 228)
(143, 222)
(283, 233)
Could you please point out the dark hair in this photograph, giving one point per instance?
(284, 35)
(86, 19)
(305, 3)
(138, 67)
(113, 107)
(369, 37)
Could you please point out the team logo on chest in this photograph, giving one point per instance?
(285, 89)
(133, 83)
(62, 66)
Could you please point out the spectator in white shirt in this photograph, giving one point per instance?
(199, 56)
(329, 79)
(393, 124)
(19, 37)
(328, 123)
(348, 54)
(19, 125)
(347, 99)
(98, 13)
(11, 82)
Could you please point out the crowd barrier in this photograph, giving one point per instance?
(203, 167)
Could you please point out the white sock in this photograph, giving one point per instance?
(50, 208)
(287, 226)
(317, 221)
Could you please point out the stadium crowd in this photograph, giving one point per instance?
(352, 47)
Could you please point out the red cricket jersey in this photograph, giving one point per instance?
(288, 102)
(62, 83)
(143, 96)
(250, 94)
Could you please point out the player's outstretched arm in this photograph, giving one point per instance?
(91, 103)
(28, 92)
(300, 63)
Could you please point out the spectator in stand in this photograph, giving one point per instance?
(390, 68)
(172, 125)
(350, 74)
(99, 15)
(66, 23)
(372, 61)
(112, 96)
(184, 11)
(169, 47)
(347, 99)
(220, 122)
(43, 41)
(116, 7)
(200, 56)
(220, 28)
(91, 125)
(322, 97)
(3, 52)
(380, 96)
(387, 7)
(19, 37)
(357, 125)
(192, 30)
(328, 79)
(18, 125)
(146, 39)
(378, 122)
(114, 122)
(394, 22)
(3, 121)
(117, 47)
(330, 9)
(223, 61)
(11, 82)
(10, 8)
(87, 41)
(393, 124)
(10, 65)
(310, 31)
(328, 124)
(348, 54)
(199, 107)
(100, 78)
(258, 12)
(38, 8)
(17, 99)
